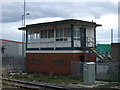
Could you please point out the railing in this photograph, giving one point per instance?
(90, 42)
(101, 51)
(49, 44)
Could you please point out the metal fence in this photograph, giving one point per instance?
(107, 71)
(13, 63)
(104, 71)
(76, 68)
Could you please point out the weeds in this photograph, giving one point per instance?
(50, 79)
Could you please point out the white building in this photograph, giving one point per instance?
(12, 54)
(11, 48)
(52, 46)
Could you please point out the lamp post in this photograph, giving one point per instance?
(23, 34)
(23, 19)
(23, 39)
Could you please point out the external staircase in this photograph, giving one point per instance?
(99, 54)
(97, 51)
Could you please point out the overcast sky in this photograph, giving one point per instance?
(105, 13)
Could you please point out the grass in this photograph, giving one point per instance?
(50, 79)
(64, 80)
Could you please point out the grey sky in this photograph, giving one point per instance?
(12, 12)
(97, 11)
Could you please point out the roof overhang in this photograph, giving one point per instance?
(68, 21)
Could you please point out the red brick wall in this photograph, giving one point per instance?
(46, 65)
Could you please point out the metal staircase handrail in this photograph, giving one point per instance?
(100, 49)
(94, 45)
(91, 40)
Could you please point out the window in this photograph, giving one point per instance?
(33, 35)
(51, 33)
(59, 62)
(77, 32)
(57, 33)
(44, 34)
(62, 34)
(67, 32)
(29, 35)
(36, 35)
(36, 61)
(47, 33)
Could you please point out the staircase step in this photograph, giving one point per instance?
(100, 55)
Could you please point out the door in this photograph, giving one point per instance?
(83, 37)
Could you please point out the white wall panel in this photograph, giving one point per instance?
(46, 45)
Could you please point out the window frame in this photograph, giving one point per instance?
(59, 63)
(35, 62)
(33, 35)
(60, 34)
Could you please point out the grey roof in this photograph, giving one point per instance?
(68, 21)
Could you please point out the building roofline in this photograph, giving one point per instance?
(10, 41)
(68, 21)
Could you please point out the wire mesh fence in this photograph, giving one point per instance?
(13, 63)
(109, 72)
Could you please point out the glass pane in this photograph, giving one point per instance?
(65, 32)
(77, 32)
(32, 35)
(50, 33)
(61, 32)
(44, 34)
(57, 33)
(37, 35)
(29, 35)
(69, 32)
